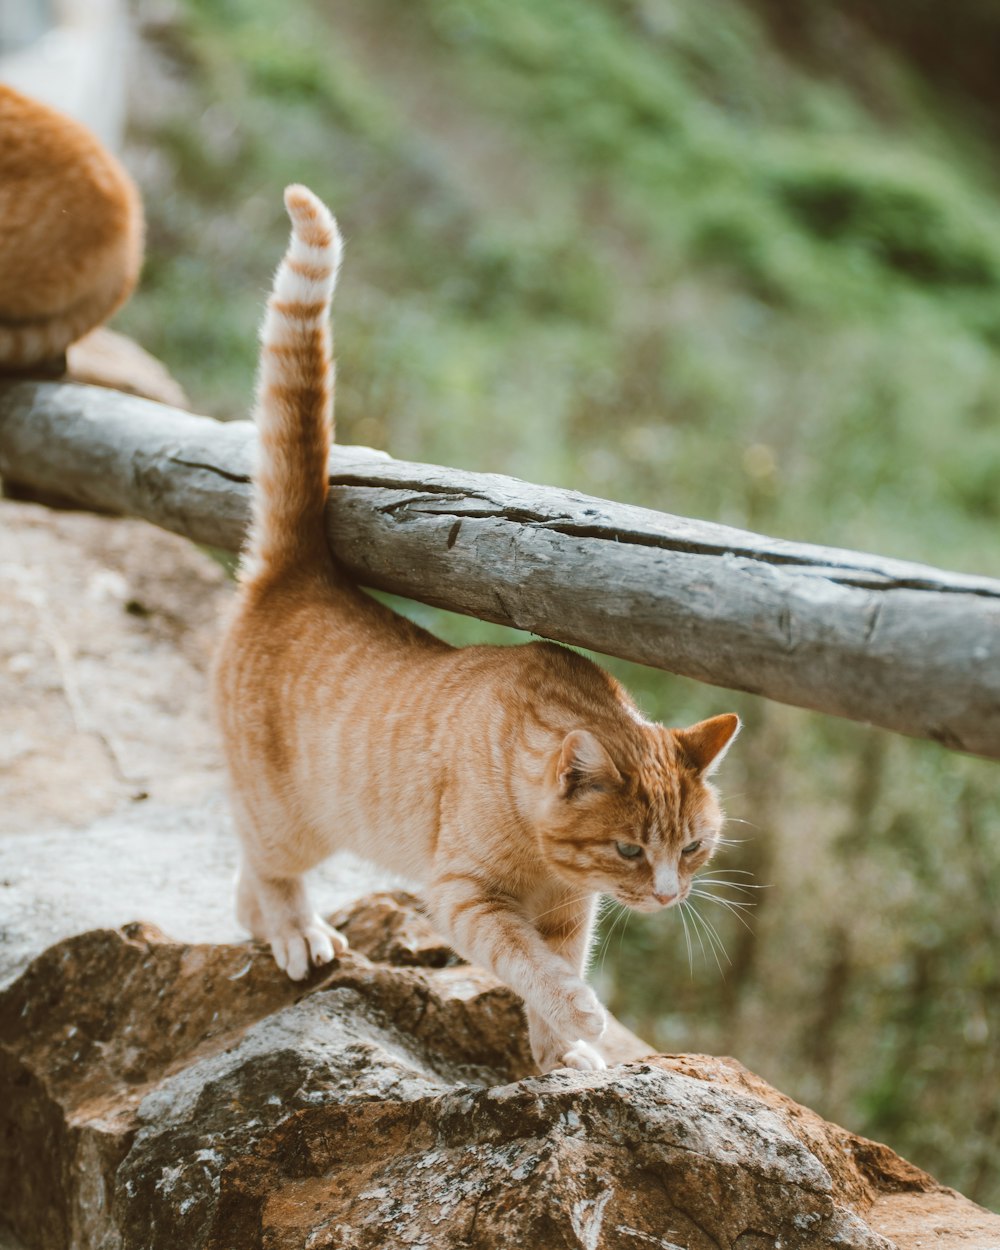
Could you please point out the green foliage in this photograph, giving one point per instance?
(909, 216)
(526, 273)
(630, 246)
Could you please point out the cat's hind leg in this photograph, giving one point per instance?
(248, 911)
(277, 910)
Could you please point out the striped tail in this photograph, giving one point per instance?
(294, 412)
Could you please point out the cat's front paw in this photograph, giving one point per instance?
(296, 951)
(582, 1057)
(578, 1013)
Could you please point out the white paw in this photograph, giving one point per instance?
(297, 951)
(578, 1012)
(582, 1057)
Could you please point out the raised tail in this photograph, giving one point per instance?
(294, 411)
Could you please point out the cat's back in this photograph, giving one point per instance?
(319, 620)
(71, 230)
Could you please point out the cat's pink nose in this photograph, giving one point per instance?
(664, 899)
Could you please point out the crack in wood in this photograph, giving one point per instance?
(874, 615)
(848, 575)
(785, 627)
(241, 479)
(852, 576)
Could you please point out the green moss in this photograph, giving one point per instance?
(909, 215)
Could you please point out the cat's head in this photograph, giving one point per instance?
(636, 816)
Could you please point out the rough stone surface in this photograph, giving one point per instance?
(170, 1095)
(106, 628)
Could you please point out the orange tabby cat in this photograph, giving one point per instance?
(71, 232)
(516, 783)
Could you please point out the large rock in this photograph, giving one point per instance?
(154, 1094)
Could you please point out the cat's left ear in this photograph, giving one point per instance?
(584, 765)
(704, 745)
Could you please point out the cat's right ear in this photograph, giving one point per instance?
(706, 743)
(584, 765)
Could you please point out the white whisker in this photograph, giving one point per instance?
(736, 903)
(606, 943)
(724, 885)
(737, 872)
(687, 941)
(697, 928)
(721, 945)
(566, 902)
(721, 898)
(580, 924)
(717, 879)
(621, 936)
(714, 941)
(735, 908)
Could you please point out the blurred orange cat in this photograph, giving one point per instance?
(516, 783)
(71, 232)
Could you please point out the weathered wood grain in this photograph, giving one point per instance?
(901, 645)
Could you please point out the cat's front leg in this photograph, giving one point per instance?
(491, 929)
(550, 1051)
(566, 928)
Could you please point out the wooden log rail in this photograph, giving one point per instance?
(900, 645)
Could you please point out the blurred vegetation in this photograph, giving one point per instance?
(728, 260)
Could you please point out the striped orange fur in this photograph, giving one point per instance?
(71, 232)
(517, 784)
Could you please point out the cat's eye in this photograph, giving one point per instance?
(692, 847)
(628, 850)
